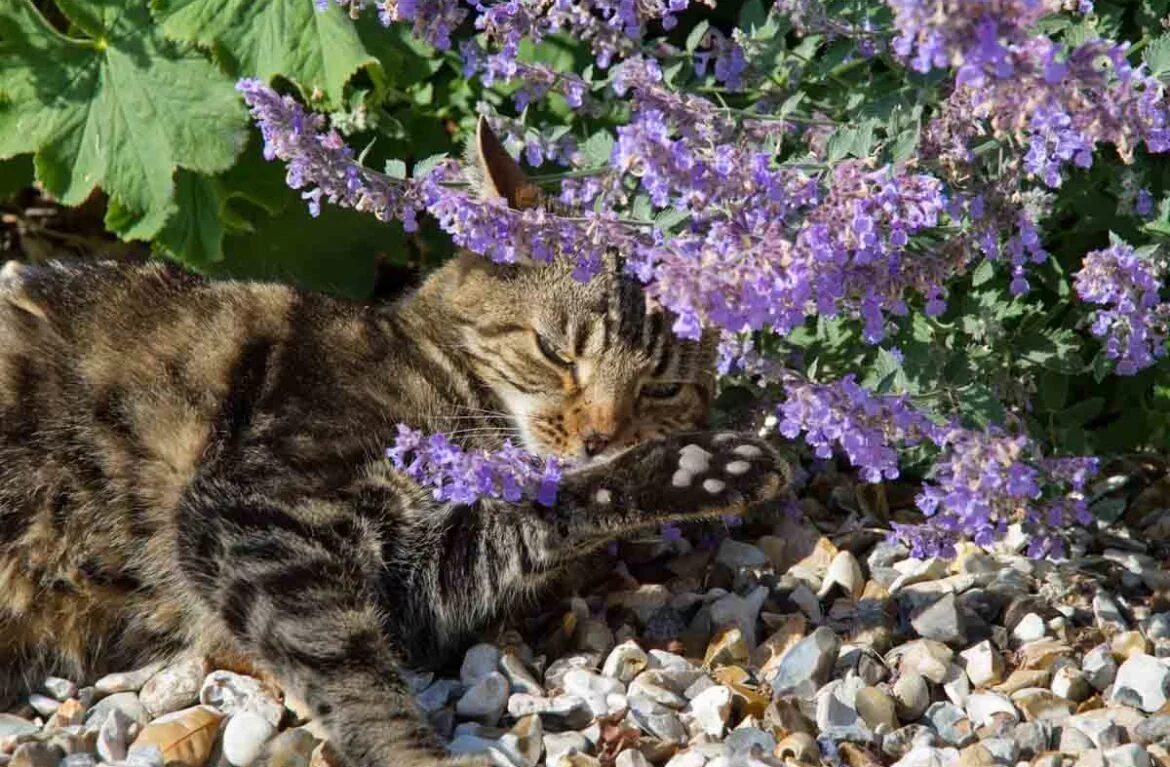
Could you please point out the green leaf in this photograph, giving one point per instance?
(696, 35)
(598, 148)
(982, 274)
(318, 50)
(195, 235)
(427, 164)
(120, 109)
(979, 404)
(1157, 56)
(752, 15)
(1082, 412)
(396, 169)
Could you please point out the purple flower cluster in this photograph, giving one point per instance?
(1135, 321)
(869, 428)
(463, 477)
(320, 161)
(981, 480)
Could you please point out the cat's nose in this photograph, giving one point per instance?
(595, 442)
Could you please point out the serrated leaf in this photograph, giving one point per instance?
(1157, 56)
(194, 235)
(905, 146)
(318, 50)
(395, 169)
(427, 164)
(598, 148)
(120, 110)
(982, 273)
(838, 145)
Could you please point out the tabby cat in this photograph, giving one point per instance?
(198, 465)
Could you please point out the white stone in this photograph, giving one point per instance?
(748, 451)
(1128, 755)
(694, 461)
(711, 709)
(593, 688)
(61, 689)
(928, 756)
(1099, 667)
(1145, 675)
(657, 720)
(983, 706)
(244, 737)
(558, 744)
(681, 478)
(735, 468)
(982, 664)
(114, 736)
(175, 687)
(741, 612)
(1030, 628)
(714, 486)
(631, 757)
(231, 693)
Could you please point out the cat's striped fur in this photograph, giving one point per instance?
(195, 464)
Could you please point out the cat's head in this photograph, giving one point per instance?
(583, 368)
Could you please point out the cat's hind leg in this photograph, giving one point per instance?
(293, 585)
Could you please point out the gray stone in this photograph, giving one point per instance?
(742, 612)
(658, 720)
(564, 710)
(1129, 755)
(244, 737)
(79, 759)
(61, 689)
(1032, 738)
(899, 742)
(1073, 741)
(115, 735)
(1156, 729)
(911, 696)
(983, 706)
(926, 756)
(486, 700)
(12, 726)
(1030, 628)
(1107, 614)
(478, 662)
(941, 621)
(735, 554)
(438, 694)
(1099, 667)
(1070, 683)
(292, 748)
(951, 723)
(743, 739)
(593, 688)
(1002, 750)
(631, 757)
(625, 662)
(711, 708)
(43, 704)
(807, 666)
(519, 675)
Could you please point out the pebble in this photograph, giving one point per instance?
(486, 700)
(244, 737)
(292, 748)
(876, 708)
(126, 702)
(34, 754)
(593, 688)
(735, 554)
(911, 696)
(61, 689)
(478, 662)
(114, 736)
(844, 573)
(940, 621)
(174, 687)
(230, 693)
(741, 612)
(558, 744)
(711, 709)
(127, 681)
(983, 664)
(625, 662)
(631, 757)
(806, 667)
(43, 704)
(518, 674)
(951, 723)
(1141, 679)
(1030, 628)
(657, 720)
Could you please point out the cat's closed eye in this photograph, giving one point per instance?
(549, 350)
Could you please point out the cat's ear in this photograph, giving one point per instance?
(499, 174)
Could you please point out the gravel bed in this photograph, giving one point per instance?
(779, 642)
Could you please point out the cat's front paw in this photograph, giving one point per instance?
(708, 473)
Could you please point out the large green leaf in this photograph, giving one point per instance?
(120, 108)
(318, 50)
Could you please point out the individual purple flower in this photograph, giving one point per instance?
(1134, 321)
(1143, 205)
(461, 476)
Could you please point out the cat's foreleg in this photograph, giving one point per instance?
(472, 562)
(293, 586)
